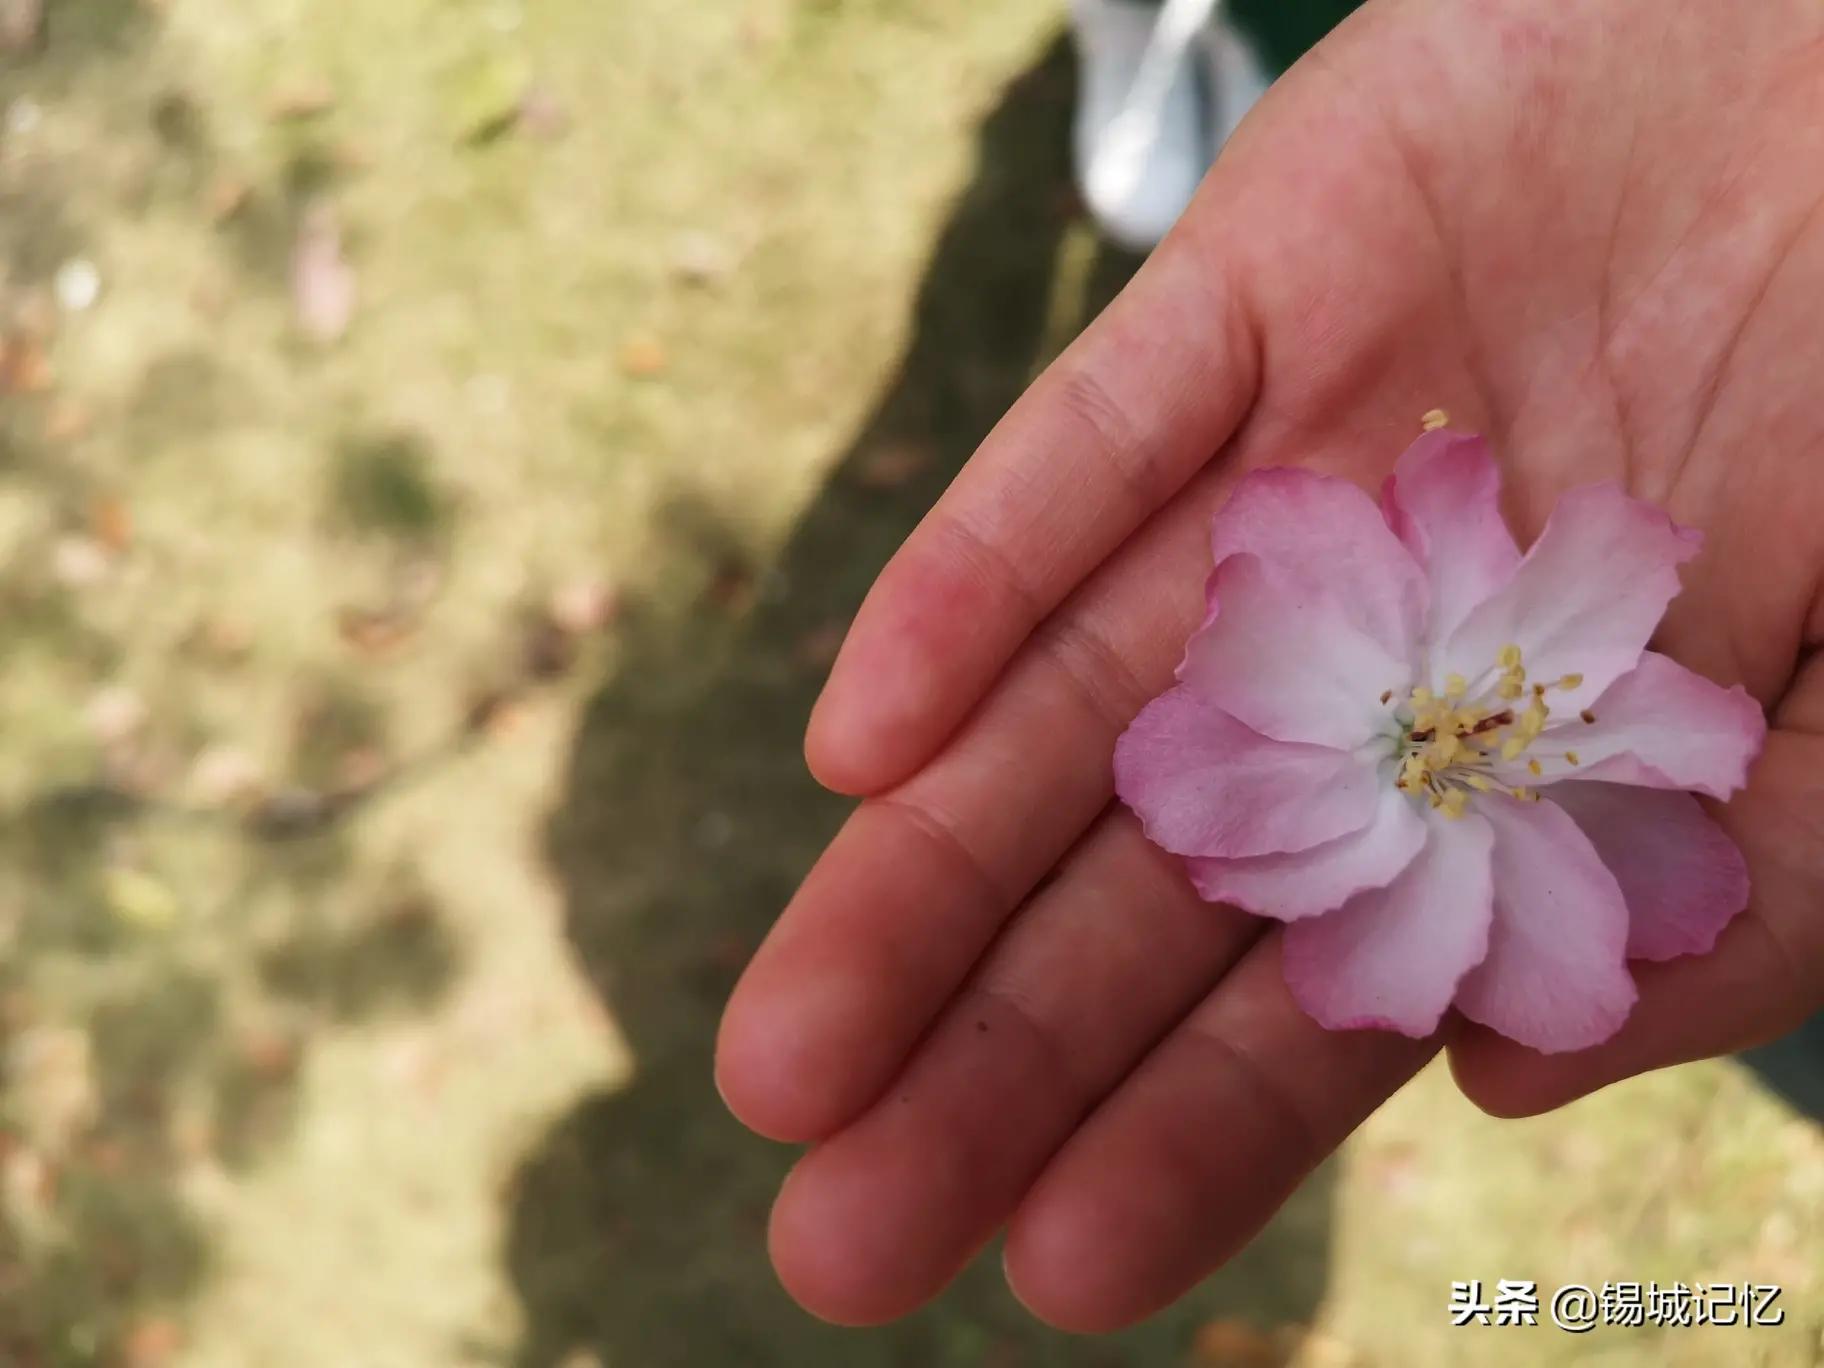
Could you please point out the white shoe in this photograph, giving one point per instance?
(1237, 77)
(1161, 88)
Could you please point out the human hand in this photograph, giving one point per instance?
(1594, 235)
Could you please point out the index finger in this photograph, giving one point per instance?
(1103, 439)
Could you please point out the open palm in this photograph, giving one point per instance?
(1593, 233)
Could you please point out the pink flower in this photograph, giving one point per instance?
(1455, 772)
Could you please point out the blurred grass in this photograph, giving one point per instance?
(398, 736)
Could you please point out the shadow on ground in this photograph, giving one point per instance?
(637, 1223)
(1793, 1068)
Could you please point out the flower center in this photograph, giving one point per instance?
(1450, 744)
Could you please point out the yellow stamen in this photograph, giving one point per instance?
(1447, 745)
(1434, 419)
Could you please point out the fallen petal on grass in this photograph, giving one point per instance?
(323, 285)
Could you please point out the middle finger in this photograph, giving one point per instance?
(1102, 962)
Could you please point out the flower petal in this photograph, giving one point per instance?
(1311, 882)
(1586, 598)
(1682, 876)
(1556, 976)
(1327, 533)
(1663, 726)
(1284, 657)
(1443, 500)
(1392, 957)
(1204, 784)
